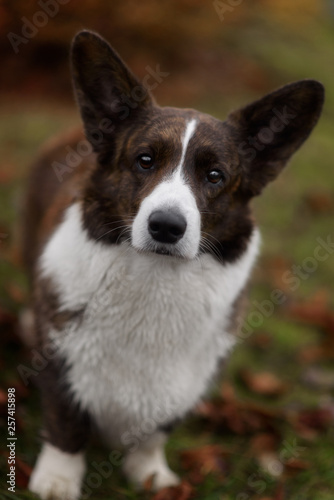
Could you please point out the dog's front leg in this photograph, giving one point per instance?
(60, 467)
(147, 460)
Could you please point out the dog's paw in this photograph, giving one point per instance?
(147, 463)
(49, 486)
(57, 475)
(162, 476)
(164, 479)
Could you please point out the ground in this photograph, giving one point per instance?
(266, 431)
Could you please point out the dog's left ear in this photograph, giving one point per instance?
(107, 91)
(268, 131)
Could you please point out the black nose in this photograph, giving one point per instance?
(166, 227)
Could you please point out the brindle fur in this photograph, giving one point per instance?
(111, 187)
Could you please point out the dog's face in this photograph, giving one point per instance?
(178, 182)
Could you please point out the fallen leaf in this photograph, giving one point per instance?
(7, 173)
(279, 494)
(306, 433)
(261, 340)
(240, 417)
(320, 202)
(264, 383)
(228, 392)
(3, 402)
(318, 419)
(184, 491)
(16, 293)
(314, 312)
(23, 472)
(297, 464)
(21, 391)
(202, 461)
(277, 267)
(149, 483)
(264, 441)
(264, 446)
(312, 353)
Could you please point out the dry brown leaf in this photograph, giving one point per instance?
(306, 433)
(21, 391)
(228, 391)
(240, 417)
(264, 446)
(16, 293)
(202, 461)
(277, 267)
(315, 312)
(312, 353)
(308, 424)
(319, 419)
(261, 340)
(263, 442)
(182, 492)
(320, 202)
(3, 397)
(280, 494)
(23, 472)
(149, 483)
(296, 464)
(3, 402)
(264, 383)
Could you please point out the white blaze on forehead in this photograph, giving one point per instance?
(190, 129)
(173, 193)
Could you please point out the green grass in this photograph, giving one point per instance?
(289, 230)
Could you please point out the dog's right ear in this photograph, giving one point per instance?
(107, 92)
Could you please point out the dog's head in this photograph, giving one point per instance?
(177, 181)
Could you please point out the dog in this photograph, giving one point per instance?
(139, 258)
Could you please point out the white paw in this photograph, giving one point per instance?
(162, 476)
(49, 486)
(164, 479)
(149, 461)
(57, 475)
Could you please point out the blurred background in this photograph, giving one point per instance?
(267, 430)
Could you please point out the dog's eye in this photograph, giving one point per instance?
(145, 162)
(215, 176)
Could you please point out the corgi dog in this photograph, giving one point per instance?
(139, 258)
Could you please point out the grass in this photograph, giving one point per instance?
(290, 230)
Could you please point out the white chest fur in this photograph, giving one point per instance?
(153, 328)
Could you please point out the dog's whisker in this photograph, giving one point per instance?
(111, 231)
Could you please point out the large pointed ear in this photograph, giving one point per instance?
(108, 93)
(270, 130)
